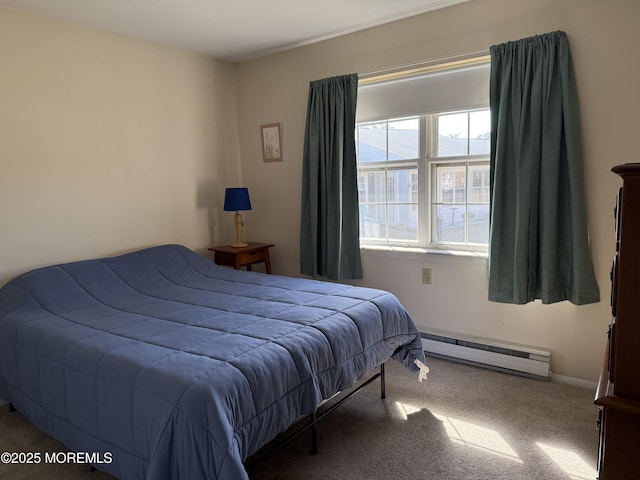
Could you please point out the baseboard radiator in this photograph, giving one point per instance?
(516, 359)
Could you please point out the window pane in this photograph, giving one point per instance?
(372, 142)
(372, 221)
(403, 222)
(479, 183)
(478, 224)
(450, 183)
(371, 186)
(448, 223)
(404, 139)
(402, 185)
(453, 133)
(480, 132)
(459, 185)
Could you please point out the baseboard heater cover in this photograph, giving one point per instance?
(517, 359)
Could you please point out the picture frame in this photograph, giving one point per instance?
(271, 134)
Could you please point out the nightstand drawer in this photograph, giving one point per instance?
(238, 257)
(252, 257)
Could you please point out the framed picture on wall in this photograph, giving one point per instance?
(271, 142)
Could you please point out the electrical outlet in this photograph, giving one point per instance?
(426, 276)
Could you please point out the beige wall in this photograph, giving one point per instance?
(604, 40)
(108, 144)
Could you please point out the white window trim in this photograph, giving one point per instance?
(428, 135)
(419, 253)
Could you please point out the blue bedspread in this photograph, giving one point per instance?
(169, 366)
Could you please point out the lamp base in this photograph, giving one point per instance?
(238, 224)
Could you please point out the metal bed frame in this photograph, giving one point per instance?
(314, 418)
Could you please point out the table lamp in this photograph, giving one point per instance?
(237, 199)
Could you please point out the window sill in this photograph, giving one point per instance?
(386, 251)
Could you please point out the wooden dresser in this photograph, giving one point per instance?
(618, 393)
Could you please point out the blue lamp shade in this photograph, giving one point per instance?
(236, 199)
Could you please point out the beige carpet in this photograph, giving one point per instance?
(462, 423)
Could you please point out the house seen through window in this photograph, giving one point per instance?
(423, 179)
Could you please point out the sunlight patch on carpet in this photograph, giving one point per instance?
(479, 437)
(404, 410)
(570, 462)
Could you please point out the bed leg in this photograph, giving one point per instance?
(314, 435)
(11, 408)
(383, 393)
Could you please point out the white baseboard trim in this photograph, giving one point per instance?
(576, 382)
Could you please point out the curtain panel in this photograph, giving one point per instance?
(539, 246)
(329, 226)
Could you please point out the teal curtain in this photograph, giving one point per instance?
(539, 246)
(329, 227)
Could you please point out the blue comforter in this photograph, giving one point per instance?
(163, 365)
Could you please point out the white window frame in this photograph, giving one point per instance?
(426, 164)
(390, 165)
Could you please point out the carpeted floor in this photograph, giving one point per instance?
(462, 423)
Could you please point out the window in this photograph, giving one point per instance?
(423, 168)
(424, 180)
(388, 175)
(459, 186)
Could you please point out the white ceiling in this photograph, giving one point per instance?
(234, 30)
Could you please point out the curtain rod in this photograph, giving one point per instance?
(479, 56)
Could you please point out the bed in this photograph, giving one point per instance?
(160, 364)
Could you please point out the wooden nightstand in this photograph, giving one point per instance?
(243, 256)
